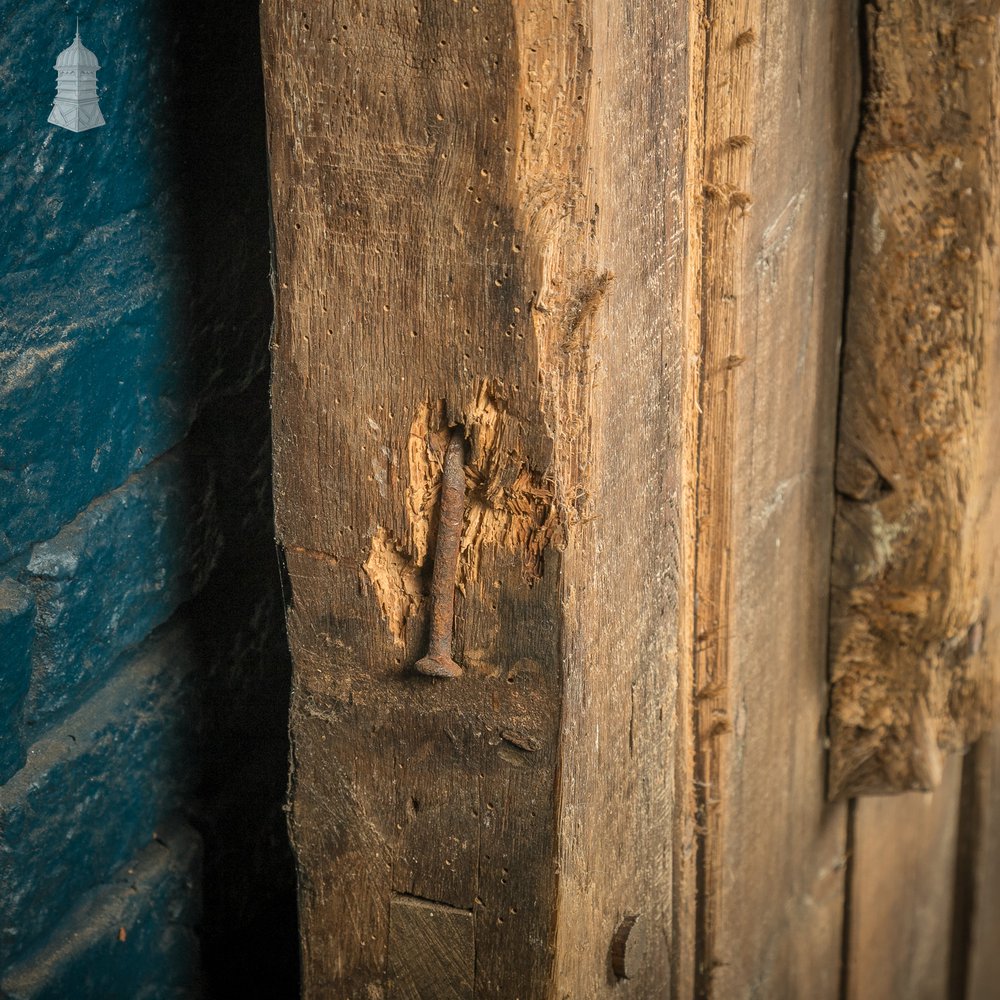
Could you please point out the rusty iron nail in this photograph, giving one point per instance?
(438, 661)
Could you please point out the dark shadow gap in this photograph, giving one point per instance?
(206, 60)
(864, 66)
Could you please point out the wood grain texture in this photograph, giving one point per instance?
(902, 892)
(778, 84)
(432, 951)
(623, 570)
(913, 638)
(979, 959)
(479, 222)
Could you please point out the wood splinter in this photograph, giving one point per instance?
(438, 661)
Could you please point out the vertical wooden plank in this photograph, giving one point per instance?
(479, 222)
(621, 646)
(979, 957)
(913, 636)
(902, 892)
(913, 639)
(779, 84)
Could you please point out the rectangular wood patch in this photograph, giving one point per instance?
(432, 950)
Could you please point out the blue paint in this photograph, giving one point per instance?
(94, 789)
(17, 632)
(113, 574)
(135, 495)
(106, 304)
(88, 294)
(131, 938)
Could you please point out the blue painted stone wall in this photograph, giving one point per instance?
(144, 671)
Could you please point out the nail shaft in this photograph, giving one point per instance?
(438, 661)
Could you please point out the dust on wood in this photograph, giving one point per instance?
(913, 643)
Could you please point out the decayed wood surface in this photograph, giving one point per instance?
(778, 83)
(913, 636)
(607, 242)
(903, 864)
(478, 217)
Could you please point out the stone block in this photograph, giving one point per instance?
(115, 573)
(133, 937)
(95, 788)
(17, 631)
(134, 258)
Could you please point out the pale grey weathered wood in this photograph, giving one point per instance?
(902, 890)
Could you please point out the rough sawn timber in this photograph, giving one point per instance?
(778, 85)
(979, 955)
(914, 629)
(479, 222)
(902, 873)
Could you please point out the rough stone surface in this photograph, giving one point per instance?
(135, 312)
(117, 571)
(129, 291)
(133, 937)
(16, 633)
(94, 789)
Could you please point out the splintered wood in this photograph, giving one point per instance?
(478, 220)
(607, 240)
(914, 629)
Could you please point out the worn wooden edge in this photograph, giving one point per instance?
(687, 845)
(913, 641)
(760, 192)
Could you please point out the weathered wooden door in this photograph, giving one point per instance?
(602, 247)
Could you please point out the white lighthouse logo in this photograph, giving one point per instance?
(75, 106)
